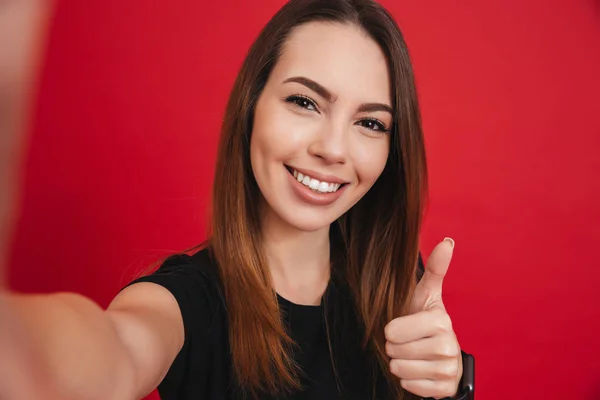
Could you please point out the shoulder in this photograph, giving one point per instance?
(198, 262)
(197, 270)
(194, 282)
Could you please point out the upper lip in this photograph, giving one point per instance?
(318, 176)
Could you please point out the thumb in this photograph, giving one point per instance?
(437, 267)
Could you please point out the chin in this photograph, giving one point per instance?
(306, 222)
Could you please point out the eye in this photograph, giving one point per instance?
(374, 125)
(302, 101)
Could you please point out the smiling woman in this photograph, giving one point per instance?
(317, 207)
(307, 287)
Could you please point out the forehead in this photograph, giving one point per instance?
(341, 57)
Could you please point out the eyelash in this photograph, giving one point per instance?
(380, 125)
(296, 98)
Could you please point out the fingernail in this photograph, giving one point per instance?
(449, 240)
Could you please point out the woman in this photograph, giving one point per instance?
(306, 287)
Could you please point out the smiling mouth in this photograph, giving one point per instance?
(314, 184)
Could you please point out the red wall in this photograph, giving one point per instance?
(124, 139)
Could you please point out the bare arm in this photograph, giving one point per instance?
(85, 352)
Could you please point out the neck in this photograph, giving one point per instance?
(298, 260)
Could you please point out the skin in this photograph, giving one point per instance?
(313, 132)
(424, 351)
(332, 136)
(21, 27)
(62, 333)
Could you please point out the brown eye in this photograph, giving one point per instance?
(302, 102)
(373, 125)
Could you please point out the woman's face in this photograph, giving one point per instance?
(321, 137)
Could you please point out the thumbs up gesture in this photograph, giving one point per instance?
(423, 348)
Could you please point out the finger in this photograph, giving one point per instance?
(423, 369)
(430, 388)
(417, 326)
(433, 348)
(437, 267)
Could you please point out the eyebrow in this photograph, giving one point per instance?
(327, 95)
(372, 107)
(314, 86)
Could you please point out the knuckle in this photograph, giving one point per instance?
(449, 348)
(447, 321)
(449, 389)
(446, 350)
(443, 322)
(453, 370)
(443, 390)
(440, 327)
(448, 371)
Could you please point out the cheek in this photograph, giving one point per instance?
(278, 134)
(270, 141)
(370, 158)
(261, 138)
(263, 145)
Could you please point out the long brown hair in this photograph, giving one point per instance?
(379, 235)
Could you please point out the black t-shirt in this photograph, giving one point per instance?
(333, 363)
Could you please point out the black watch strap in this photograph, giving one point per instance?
(466, 388)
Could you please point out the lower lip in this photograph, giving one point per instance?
(313, 197)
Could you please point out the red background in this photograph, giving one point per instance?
(123, 144)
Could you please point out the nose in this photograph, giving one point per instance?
(330, 144)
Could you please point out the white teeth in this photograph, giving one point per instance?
(323, 187)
